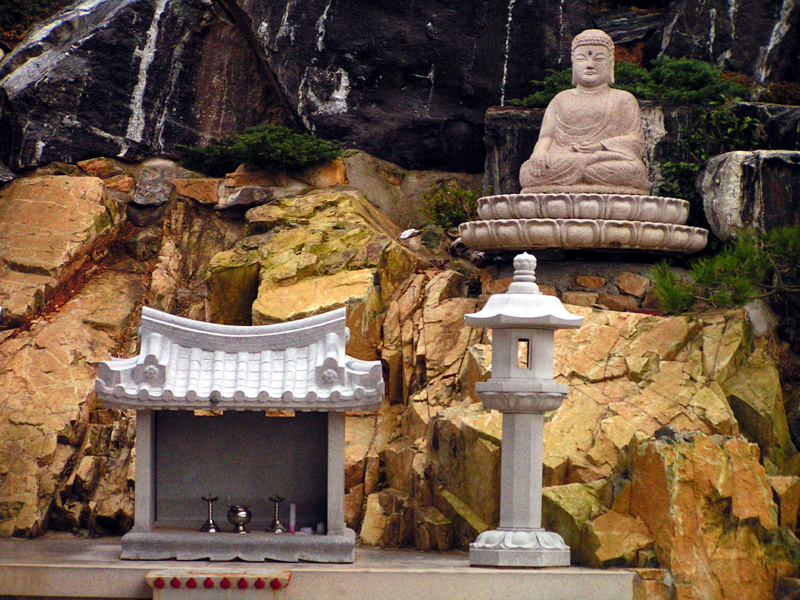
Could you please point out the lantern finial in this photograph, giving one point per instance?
(524, 275)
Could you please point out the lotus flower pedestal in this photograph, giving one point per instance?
(589, 221)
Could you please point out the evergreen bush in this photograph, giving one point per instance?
(676, 80)
(689, 81)
(751, 266)
(719, 129)
(261, 147)
(546, 89)
(449, 205)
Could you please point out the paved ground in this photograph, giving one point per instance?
(63, 566)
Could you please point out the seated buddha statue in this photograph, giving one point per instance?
(591, 138)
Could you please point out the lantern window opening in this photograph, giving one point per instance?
(523, 353)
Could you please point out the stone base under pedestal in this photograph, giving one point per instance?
(525, 548)
(256, 546)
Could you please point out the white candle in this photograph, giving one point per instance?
(292, 516)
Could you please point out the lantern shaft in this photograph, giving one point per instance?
(521, 472)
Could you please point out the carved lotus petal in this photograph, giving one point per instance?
(653, 211)
(507, 233)
(622, 208)
(589, 207)
(680, 237)
(698, 241)
(527, 207)
(619, 234)
(495, 207)
(519, 539)
(516, 540)
(531, 402)
(675, 211)
(556, 206)
(476, 234)
(550, 541)
(654, 236)
(489, 539)
(542, 233)
(582, 220)
(577, 233)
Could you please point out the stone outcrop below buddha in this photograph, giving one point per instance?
(583, 221)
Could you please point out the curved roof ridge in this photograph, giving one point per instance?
(187, 364)
(214, 336)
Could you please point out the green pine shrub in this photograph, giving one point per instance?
(449, 205)
(675, 80)
(689, 81)
(719, 129)
(266, 147)
(546, 89)
(751, 266)
(674, 293)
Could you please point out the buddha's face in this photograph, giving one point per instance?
(592, 66)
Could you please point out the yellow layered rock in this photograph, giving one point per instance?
(786, 491)
(46, 385)
(232, 283)
(708, 505)
(359, 433)
(38, 254)
(204, 190)
(465, 457)
(104, 168)
(628, 373)
(325, 250)
(755, 395)
(374, 523)
(614, 539)
(566, 509)
(331, 174)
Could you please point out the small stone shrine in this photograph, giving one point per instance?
(585, 185)
(247, 415)
(521, 387)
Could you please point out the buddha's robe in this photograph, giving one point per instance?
(610, 118)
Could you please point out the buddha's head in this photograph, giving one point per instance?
(592, 59)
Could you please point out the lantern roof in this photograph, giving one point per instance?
(523, 305)
(187, 364)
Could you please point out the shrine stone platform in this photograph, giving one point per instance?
(62, 566)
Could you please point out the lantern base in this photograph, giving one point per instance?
(523, 548)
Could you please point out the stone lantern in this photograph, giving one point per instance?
(522, 388)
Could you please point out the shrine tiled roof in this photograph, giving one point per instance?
(187, 364)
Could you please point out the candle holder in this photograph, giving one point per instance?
(239, 515)
(210, 526)
(276, 526)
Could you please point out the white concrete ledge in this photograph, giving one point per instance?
(56, 567)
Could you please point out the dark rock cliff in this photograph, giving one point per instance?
(128, 78)
(409, 82)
